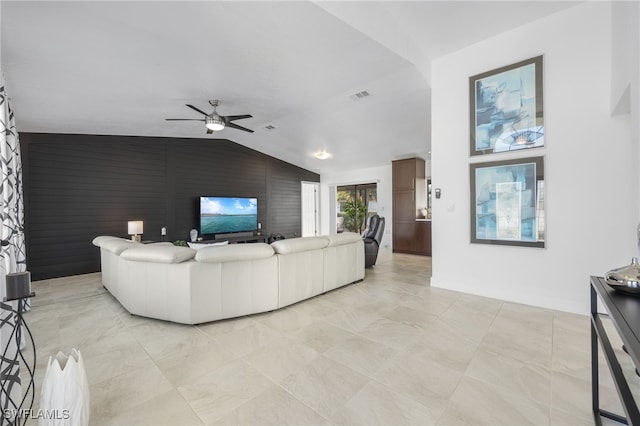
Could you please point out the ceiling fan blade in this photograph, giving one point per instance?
(184, 119)
(197, 109)
(209, 131)
(237, 117)
(235, 126)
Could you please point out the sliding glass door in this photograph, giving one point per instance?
(354, 205)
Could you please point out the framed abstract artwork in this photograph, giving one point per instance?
(506, 108)
(507, 202)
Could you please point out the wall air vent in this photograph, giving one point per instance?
(359, 95)
(269, 127)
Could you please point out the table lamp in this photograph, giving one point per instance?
(135, 229)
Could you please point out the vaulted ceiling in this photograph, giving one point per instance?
(121, 68)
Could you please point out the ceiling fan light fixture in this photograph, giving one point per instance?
(214, 122)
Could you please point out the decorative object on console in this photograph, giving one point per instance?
(193, 234)
(180, 243)
(135, 229)
(625, 279)
(506, 109)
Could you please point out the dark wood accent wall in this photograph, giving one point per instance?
(285, 210)
(79, 186)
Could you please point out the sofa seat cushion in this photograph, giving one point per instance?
(234, 252)
(158, 253)
(296, 245)
(343, 238)
(117, 245)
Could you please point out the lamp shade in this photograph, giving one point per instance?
(135, 227)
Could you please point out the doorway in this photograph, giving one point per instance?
(310, 211)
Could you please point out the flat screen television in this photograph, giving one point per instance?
(225, 215)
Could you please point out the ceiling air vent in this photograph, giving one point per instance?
(269, 127)
(359, 95)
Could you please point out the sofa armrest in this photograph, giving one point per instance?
(296, 245)
(97, 241)
(343, 238)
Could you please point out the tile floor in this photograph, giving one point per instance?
(389, 350)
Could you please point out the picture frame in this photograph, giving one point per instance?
(506, 108)
(507, 202)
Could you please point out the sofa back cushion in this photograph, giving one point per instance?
(116, 245)
(158, 253)
(296, 245)
(234, 252)
(343, 238)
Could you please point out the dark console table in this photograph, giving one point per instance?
(249, 239)
(624, 312)
(240, 239)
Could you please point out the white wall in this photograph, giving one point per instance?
(0, 36)
(625, 66)
(589, 158)
(624, 21)
(328, 182)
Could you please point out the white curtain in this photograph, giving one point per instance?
(12, 251)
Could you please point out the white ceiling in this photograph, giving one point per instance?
(121, 68)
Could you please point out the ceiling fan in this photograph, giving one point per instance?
(214, 121)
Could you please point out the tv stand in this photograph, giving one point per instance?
(223, 237)
(247, 239)
(239, 239)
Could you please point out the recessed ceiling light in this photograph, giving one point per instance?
(322, 155)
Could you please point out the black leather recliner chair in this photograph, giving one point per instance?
(372, 239)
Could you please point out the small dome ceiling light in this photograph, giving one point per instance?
(322, 155)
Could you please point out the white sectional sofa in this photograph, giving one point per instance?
(190, 286)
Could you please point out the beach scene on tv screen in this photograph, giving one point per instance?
(222, 215)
